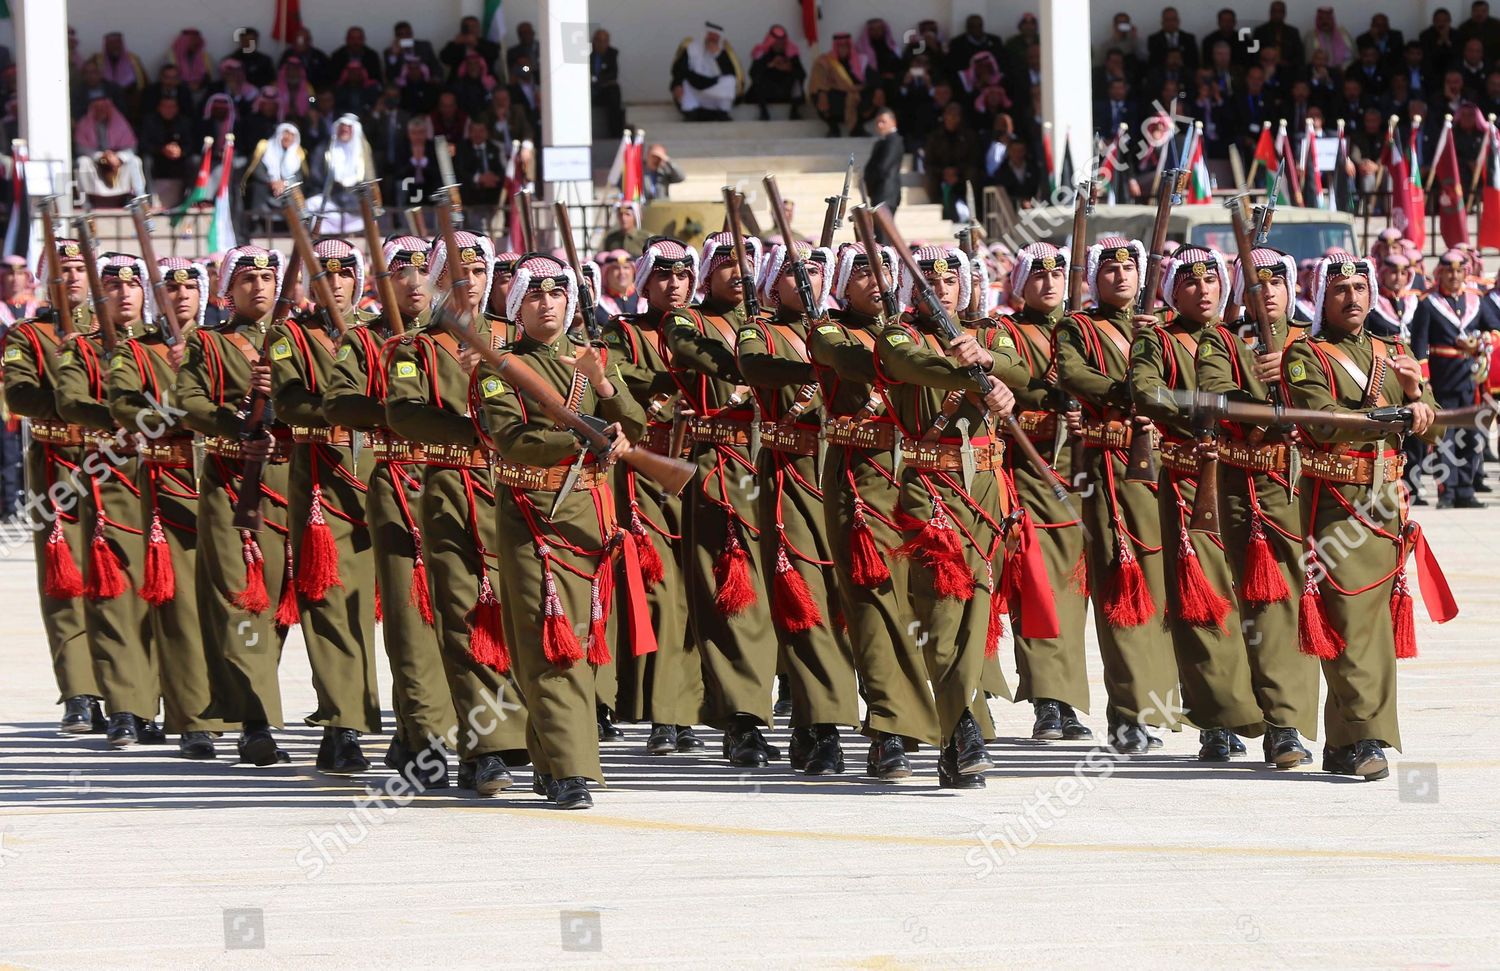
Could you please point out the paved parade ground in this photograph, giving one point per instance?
(138, 859)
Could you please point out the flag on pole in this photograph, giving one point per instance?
(288, 21)
(221, 229)
(1110, 169)
(1286, 164)
(201, 193)
(1200, 187)
(494, 23)
(1342, 194)
(811, 13)
(1067, 178)
(1311, 178)
(1489, 199)
(18, 231)
(1452, 216)
(1417, 194)
(633, 181)
(1400, 211)
(617, 167)
(1047, 159)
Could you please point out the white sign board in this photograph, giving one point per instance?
(567, 163)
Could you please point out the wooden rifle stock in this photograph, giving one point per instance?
(732, 208)
(794, 258)
(84, 227)
(369, 211)
(1142, 463)
(57, 290)
(172, 329)
(1205, 516)
(864, 228)
(585, 294)
(318, 283)
(528, 230)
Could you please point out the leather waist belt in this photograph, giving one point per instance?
(450, 456)
(389, 447)
(234, 449)
(658, 439)
(873, 436)
(1442, 351)
(948, 456)
(176, 453)
(791, 439)
(719, 431)
(1267, 457)
(1107, 434)
(96, 441)
(1038, 424)
(330, 435)
(549, 478)
(52, 432)
(1350, 468)
(1179, 457)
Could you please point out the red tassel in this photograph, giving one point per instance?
(379, 607)
(652, 569)
(319, 569)
(287, 611)
(420, 596)
(64, 581)
(1263, 583)
(106, 579)
(161, 582)
(1403, 617)
(1130, 603)
(254, 597)
(866, 566)
(1202, 605)
(938, 545)
(487, 629)
(559, 644)
(1078, 580)
(796, 610)
(1315, 632)
(732, 575)
(999, 607)
(600, 592)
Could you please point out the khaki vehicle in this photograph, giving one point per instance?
(1304, 233)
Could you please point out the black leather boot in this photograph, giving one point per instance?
(490, 775)
(688, 740)
(800, 746)
(1364, 758)
(663, 740)
(1213, 745)
(343, 754)
(572, 793)
(949, 774)
(607, 730)
(122, 729)
(78, 715)
(973, 757)
(196, 745)
(1283, 748)
(1048, 725)
(827, 755)
(887, 760)
(1073, 730)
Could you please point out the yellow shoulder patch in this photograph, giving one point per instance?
(281, 350)
(1004, 340)
(120, 363)
(406, 369)
(12, 353)
(1205, 349)
(343, 354)
(1297, 371)
(66, 357)
(749, 334)
(896, 340)
(492, 387)
(830, 330)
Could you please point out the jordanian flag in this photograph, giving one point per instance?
(1416, 230)
(200, 194)
(221, 230)
(1200, 189)
(1047, 159)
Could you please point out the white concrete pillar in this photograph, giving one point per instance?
(1067, 77)
(42, 80)
(563, 33)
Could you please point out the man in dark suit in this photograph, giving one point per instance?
(1229, 33)
(1116, 109)
(973, 40)
(604, 82)
(468, 39)
(1388, 42)
(480, 167)
(404, 45)
(354, 49)
(1369, 69)
(1172, 37)
(1253, 108)
(527, 48)
(883, 170)
(1276, 32)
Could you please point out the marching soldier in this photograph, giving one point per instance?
(794, 542)
(1356, 608)
(664, 686)
(119, 630)
(559, 556)
(1445, 334)
(355, 399)
(331, 567)
(427, 403)
(1262, 525)
(1391, 316)
(239, 571)
(142, 391)
(1051, 670)
(1204, 623)
(728, 606)
(30, 353)
(950, 508)
(861, 490)
(1127, 581)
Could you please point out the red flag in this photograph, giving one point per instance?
(1290, 172)
(1416, 227)
(1265, 149)
(810, 15)
(1311, 175)
(1489, 201)
(1452, 218)
(288, 21)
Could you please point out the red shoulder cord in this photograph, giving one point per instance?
(53, 455)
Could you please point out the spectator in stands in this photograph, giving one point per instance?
(416, 91)
(276, 162)
(1482, 26)
(883, 169)
(190, 61)
(338, 167)
(1001, 134)
(877, 46)
(1113, 69)
(1299, 104)
(1439, 43)
(659, 173)
(415, 176)
(604, 83)
(1371, 72)
(356, 91)
(1324, 82)
(1389, 43)
(918, 103)
(314, 61)
(1352, 102)
(1026, 35)
(1276, 32)
(1489, 102)
(259, 69)
(837, 81)
(120, 67)
(294, 96)
(1413, 68)
(354, 50)
(1169, 70)
(1123, 37)
(259, 123)
(168, 84)
(974, 40)
(473, 84)
(1118, 108)
(1471, 65)
(1277, 79)
(480, 166)
(91, 78)
(1228, 77)
(927, 40)
(1227, 32)
(386, 131)
(706, 76)
(526, 46)
(234, 84)
(983, 90)
(951, 145)
(448, 119)
(776, 74)
(468, 39)
(167, 146)
(509, 122)
(217, 120)
(1019, 176)
(1218, 121)
(1172, 37)
(109, 170)
(525, 89)
(1450, 98)
(1327, 35)
(405, 45)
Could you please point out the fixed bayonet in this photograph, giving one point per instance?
(966, 454)
(568, 482)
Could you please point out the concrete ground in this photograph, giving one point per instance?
(137, 859)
